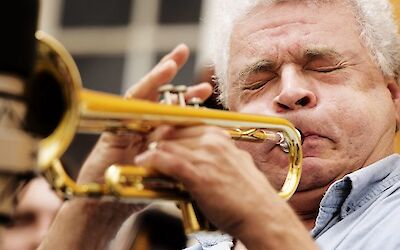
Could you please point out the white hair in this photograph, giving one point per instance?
(378, 31)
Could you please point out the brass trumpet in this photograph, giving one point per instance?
(80, 110)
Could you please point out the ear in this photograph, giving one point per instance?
(394, 89)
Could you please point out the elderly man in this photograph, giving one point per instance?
(331, 68)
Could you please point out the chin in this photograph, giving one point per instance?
(316, 173)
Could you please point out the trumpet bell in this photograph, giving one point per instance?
(55, 70)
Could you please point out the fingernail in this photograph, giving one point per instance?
(179, 46)
(163, 66)
(167, 64)
(152, 146)
(139, 159)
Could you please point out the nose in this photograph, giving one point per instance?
(295, 92)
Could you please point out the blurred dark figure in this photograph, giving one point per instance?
(158, 230)
(159, 227)
(18, 20)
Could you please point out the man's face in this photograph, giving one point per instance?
(307, 64)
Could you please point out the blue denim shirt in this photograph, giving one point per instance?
(360, 211)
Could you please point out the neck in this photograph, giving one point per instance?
(306, 205)
(309, 223)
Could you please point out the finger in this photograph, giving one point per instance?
(162, 73)
(167, 164)
(122, 141)
(147, 87)
(209, 141)
(189, 143)
(178, 150)
(202, 90)
(159, 133)
(191, 152)
(194, 131)
(179, 54)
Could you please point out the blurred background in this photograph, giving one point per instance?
(117, 42)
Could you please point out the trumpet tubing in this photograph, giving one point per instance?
(89, 111)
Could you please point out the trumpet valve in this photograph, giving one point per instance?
(195, 102)
(180, 91)
(165, 92)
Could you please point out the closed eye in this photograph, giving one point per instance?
(257, 80)
(324, 65)
(254, 85)
(325, 69)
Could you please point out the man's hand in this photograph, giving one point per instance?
(226, 185)
(220, 177)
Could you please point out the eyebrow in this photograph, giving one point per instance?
(322, 52)
(257, 67)
(265, 65)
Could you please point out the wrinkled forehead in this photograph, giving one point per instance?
(289, 21)
(273, 13)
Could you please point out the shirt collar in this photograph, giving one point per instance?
(357, 189)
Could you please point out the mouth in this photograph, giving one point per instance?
(313, 142)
